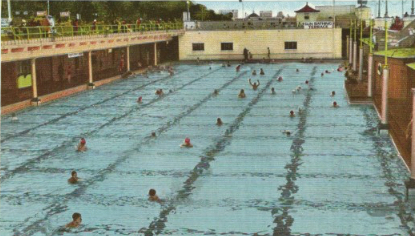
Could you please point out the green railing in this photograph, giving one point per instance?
(36, 32)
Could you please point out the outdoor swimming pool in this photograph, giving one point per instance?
(333, 176)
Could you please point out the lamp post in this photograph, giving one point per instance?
(361, 52)
(370, 62)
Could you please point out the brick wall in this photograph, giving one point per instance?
(10, 93)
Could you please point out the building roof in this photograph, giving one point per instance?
(411, 65)
(398, 53)
(307, 9)
(253, 15)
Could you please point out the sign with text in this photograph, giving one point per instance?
(41, 13)
(65, 14)
(318, 25)
(71, 55)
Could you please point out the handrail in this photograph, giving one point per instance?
(36, 32)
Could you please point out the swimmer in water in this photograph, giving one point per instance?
(292, 114)
(322, 74)
(254, 85)
(153, 134)
(299, 88)
(219, 122)
(297, 70)
(153, 196)
(14, 117)
(254, 72)
(238, 68)
(335, 104)
(261, 72)
(186, 143)
(229, 64)
(307, 82)
(159, 92)
(242, 94)
(76, 221)
(333, 93)
(328, 72)
(215, 92)
(140, 99)
(272, 91)
(74, 178)
(82, 146)
(279, 79)
(286, 132)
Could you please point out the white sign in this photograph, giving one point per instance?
(72, 55)
(318, 25)
(41, 13)
(65, 14)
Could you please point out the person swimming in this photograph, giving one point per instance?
(219, 122)
(254, 85)
(307, 82)
(272, 91)
(292, 114)
(335, 104)
(152, 196)
(76, 221)
(82, 146)
(140, 99)
(14, 117)
(238, 68)
(242, 94)
(286, 132)
(298, 88)
(297, 70)
(279, 79)
(159, 92)
(261, 72)
(223, 65)
(254, 72)
(74, 178)
(327, 72)
(333, 93)
(186, 143)
(153, 134)
(215, 92)
(322, 74)
(229, 64)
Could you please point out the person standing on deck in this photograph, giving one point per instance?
(245, 54)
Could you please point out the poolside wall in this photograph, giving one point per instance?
(53, 72)
(400, 106)
(316, 43)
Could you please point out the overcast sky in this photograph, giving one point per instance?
(289, 6)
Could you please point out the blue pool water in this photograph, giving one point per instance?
(333, 176)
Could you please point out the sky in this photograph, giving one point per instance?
(289, 6)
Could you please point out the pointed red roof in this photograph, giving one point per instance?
(307, 8)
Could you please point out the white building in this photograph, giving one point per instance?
(234, 13)
(265, 14)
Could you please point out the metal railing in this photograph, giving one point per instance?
(36, 32)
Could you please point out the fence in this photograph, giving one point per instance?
(36, 32)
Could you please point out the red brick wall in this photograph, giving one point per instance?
(9, 92)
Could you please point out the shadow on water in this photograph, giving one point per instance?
(385, 157)
(282, 218)
(159, 224)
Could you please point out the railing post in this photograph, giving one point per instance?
(128, 57)
(384, 116)
(155, 53)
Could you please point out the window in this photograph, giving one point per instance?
(290, 45)
(198, 47)
(306, 17)
(227, 46)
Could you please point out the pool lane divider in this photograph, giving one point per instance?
(208, 156)
(37, 225)
(25, 166)
(88, 106)
(385, 157)
(282, 218)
